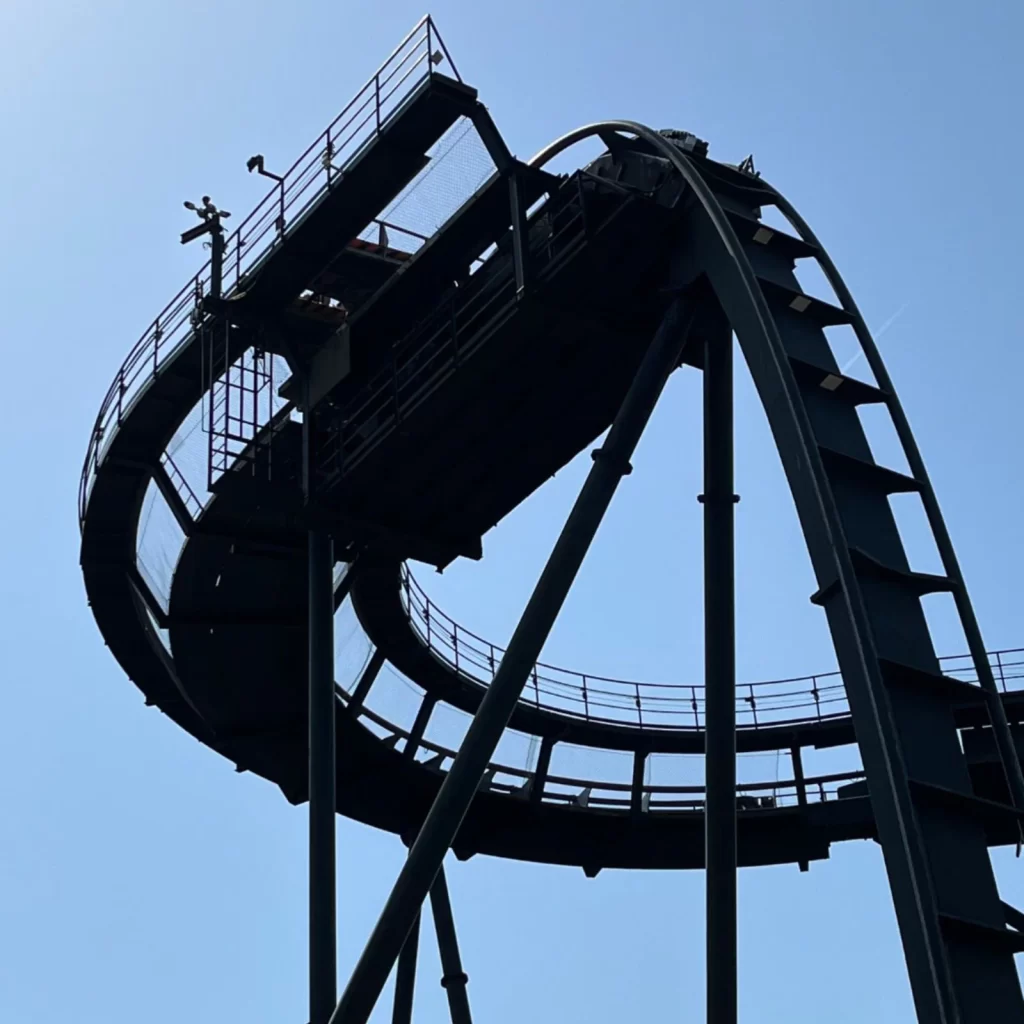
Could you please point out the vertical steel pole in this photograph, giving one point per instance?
(719, 680)
(217, 246)
(520, 234)
(454, 978)
(441, 825)
(323, 976)
(405, 978)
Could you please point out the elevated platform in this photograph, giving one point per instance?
(508, 386)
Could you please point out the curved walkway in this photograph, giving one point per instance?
(236, 679)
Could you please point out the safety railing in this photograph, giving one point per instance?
(417, 365)
(508, 779)
(193, 504)
(298, 189)
(602, 699)
(437, 345)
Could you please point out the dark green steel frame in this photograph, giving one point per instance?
(959, 950)
(611, 463)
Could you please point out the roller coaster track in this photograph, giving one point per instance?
(951, 917)
(906, 712)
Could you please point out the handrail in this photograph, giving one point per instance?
(440, 342)
(793, 792)
(607, 700)
(302, 185)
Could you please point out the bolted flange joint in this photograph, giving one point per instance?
(621, 466)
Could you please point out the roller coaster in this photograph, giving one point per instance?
(407, 337)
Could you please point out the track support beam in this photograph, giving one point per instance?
(719, 679)
(520, 234)
(441, 825)
(405, 979)
(323, 976)
(454, 979)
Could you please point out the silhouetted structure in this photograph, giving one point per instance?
(371, 393)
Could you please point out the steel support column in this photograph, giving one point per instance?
(719, 680)
(611, 463)
(323, 977)
(520, 234)
(366, 680)
(453, 978)
(405, 978)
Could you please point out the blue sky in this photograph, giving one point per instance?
(139, 875)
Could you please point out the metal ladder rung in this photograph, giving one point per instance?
(849, 389)
(822, 313)
(978, 933)
(752, 231)
(898, 674)
(868, 567)
(920, 583)
(968, 804)
(889, 481)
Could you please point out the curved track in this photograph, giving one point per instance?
(234, 673)
(239, 589)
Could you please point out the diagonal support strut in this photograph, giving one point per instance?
(454, 980)
(442, 823)
(405, 978)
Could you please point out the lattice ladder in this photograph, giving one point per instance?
(241, 400)
(933, 828)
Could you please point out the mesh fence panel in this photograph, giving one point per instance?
(158, 545)
(458, 165)
(189, 452)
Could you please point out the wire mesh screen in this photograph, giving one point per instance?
(158, 545)
(411, 63)
(186, 455)
(458, 164)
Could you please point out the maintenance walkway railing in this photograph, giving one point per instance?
(298, 189)
(594, 698)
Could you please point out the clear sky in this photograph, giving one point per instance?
(140, 877)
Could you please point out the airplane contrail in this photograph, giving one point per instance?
(877, 334)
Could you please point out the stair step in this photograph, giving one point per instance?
(822, 313)
(1002, 939)
(752, 231)
(1014, 918)
(869, 473)
(852, 391)
(897, 674)
(734, 184)
(868, 567)
(972, 806)
(920, 583)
